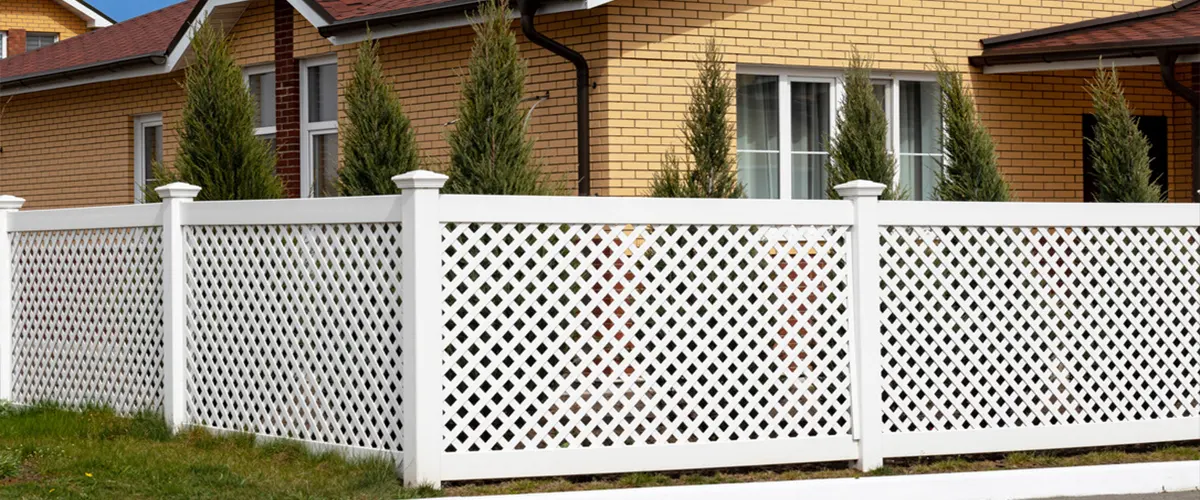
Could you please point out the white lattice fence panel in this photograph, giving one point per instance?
(990, 327)
(87, 318)
(294, 331)
(578, 336)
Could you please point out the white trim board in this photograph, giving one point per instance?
(1091, 64)
(94, 18)
(1125, 479)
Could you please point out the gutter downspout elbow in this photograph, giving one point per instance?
(528, 10)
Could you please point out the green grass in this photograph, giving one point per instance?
(52, 453)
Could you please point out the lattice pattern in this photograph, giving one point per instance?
(591, 336)
(295, 331)
(87, 325)
(1012, 327)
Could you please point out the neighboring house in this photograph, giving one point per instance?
(85, 117)
(27, 25)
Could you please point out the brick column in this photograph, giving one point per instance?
(16, 42)
(287, 100)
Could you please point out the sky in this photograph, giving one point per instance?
(125, 9)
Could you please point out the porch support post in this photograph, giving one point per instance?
(1166, 63)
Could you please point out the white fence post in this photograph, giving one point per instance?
(8, 205)
(866, 344)
(174, 196)
(421, 330)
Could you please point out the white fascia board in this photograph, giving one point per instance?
(94, 18)
(185, 44)
(1120, 62)
(454, 21)
(309, 13)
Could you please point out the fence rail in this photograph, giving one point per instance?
(479, 337)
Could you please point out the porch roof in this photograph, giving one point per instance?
(1171, 29)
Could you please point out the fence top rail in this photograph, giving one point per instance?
(356, 210)
(975, 214)
(68, 219)
(596, 210)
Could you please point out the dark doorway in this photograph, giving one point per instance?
(1155, 129)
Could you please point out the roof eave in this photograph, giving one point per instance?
(1090, 23)
(117, 68)
(1085, 52)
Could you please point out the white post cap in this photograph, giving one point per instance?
(420, 179)
(9, 202)
(177, 190)
(860, 189)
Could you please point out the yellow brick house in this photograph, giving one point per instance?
(85, 116)
(31, 24)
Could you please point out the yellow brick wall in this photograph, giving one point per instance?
(74, 146)
(427, 71)
(645, 87)
(253, 37)
(45, 16)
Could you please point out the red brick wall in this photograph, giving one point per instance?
(287, 100)
(16, 42)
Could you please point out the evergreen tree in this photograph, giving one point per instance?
(378, 140)
(218, 150)
(489, 150)
(860, 149)
(969, 170)
(1120, 152)
(707, 135)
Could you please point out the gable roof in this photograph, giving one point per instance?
(139, 39)
(93, 16)
(1174, 28)
(154, 43)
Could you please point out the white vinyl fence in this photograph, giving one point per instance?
(479, 337)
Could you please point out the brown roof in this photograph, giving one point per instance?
(146, 36)
(1173, 28)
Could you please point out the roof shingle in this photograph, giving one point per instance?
(147, 35)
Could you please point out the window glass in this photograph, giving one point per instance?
(811, 105)
(152, 151)
(920, 129)
(322, 93)
(758, 135)
(325, 163)
(262, 87)
(34, 41)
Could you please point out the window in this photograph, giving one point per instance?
(3, 44)
(803, 107)
(34, 41)
(147, 152)
(319, 127)
(261, 82)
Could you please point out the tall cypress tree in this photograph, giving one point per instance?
(489, 150)
(970, 171)
(860, 149)
(378, 139)
(1120, 152)
(708, 137)
(218, 150)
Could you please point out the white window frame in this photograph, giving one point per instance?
(308, 130)
(834, 77)
(262, 69)
(140, 124)
(3, 44)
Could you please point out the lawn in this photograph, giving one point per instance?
(53, 453)
(50, 453)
